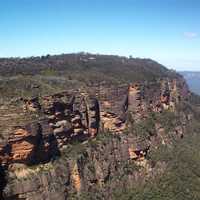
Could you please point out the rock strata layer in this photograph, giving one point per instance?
(50, 124)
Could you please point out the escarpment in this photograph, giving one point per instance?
(77, 141)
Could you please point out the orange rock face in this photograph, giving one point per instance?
(132, 153)
(20, 147)
(79, 115)
(21, 150)
(76, 179)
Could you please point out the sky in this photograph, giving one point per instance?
(167, 31)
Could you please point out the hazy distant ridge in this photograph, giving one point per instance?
(193, 80)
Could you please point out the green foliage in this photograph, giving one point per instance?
(180, 181)
(49, 72)
(129, 167)
(145, 128)
(168, 120)
(54, 73)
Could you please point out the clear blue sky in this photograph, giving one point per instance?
(165, 30)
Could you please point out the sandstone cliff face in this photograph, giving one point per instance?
(92, 168)
(23, 143)
(60, 120)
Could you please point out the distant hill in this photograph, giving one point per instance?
(193, 80)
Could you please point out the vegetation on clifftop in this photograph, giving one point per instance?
(47, 74)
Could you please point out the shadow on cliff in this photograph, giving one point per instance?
(47, 148)
(3, 181)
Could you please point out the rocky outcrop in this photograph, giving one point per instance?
(98, 165)
(60, 120)
(64, 117)
(23, 143)
(32, 105)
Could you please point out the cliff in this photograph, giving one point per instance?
(63, 119)
(88, 142)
